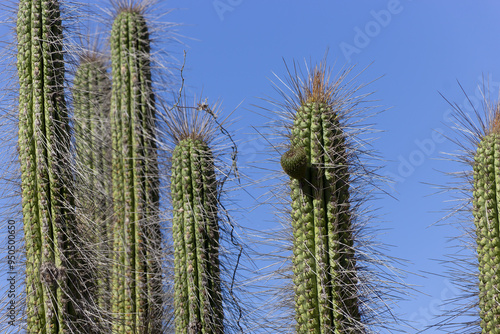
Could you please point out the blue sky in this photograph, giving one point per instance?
(418, 48)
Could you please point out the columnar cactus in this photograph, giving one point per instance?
(486, 219)
(45, 180)
(198, 299)
(324, 265)
(91, 92)
(136, 279)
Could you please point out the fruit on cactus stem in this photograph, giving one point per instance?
(294, 162)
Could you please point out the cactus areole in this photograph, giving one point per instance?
(324, 265)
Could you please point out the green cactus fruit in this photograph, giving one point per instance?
(198, 299)
(326, 298)
(51, 287)
(486, 197)
(136, 280)
(91, 91)
(294, 162)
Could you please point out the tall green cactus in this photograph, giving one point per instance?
(198, 299)
(91, 92)
(486, 197)
(44, 156)
(136, 279)
(324, 265)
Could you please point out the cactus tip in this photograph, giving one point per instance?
(318, 88)
(194, 120)
(131, 6)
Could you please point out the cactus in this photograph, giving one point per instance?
(198, 301)
(93, 148)
(486, 220)
(324, 265)
(473, 269)
(136, 279)
(51, 285)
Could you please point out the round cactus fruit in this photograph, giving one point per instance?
(294, 162)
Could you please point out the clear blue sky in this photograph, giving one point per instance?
(419, 47)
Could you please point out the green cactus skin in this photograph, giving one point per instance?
(197, 299)
(136, 279)
(91, 113)
(44, 157)
(323, 258)
(486, 219)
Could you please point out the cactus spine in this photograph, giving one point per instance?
(198, 300)
(323, 256)
(136, 282)
(44, 157)
(91, 112)
(486, 197)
